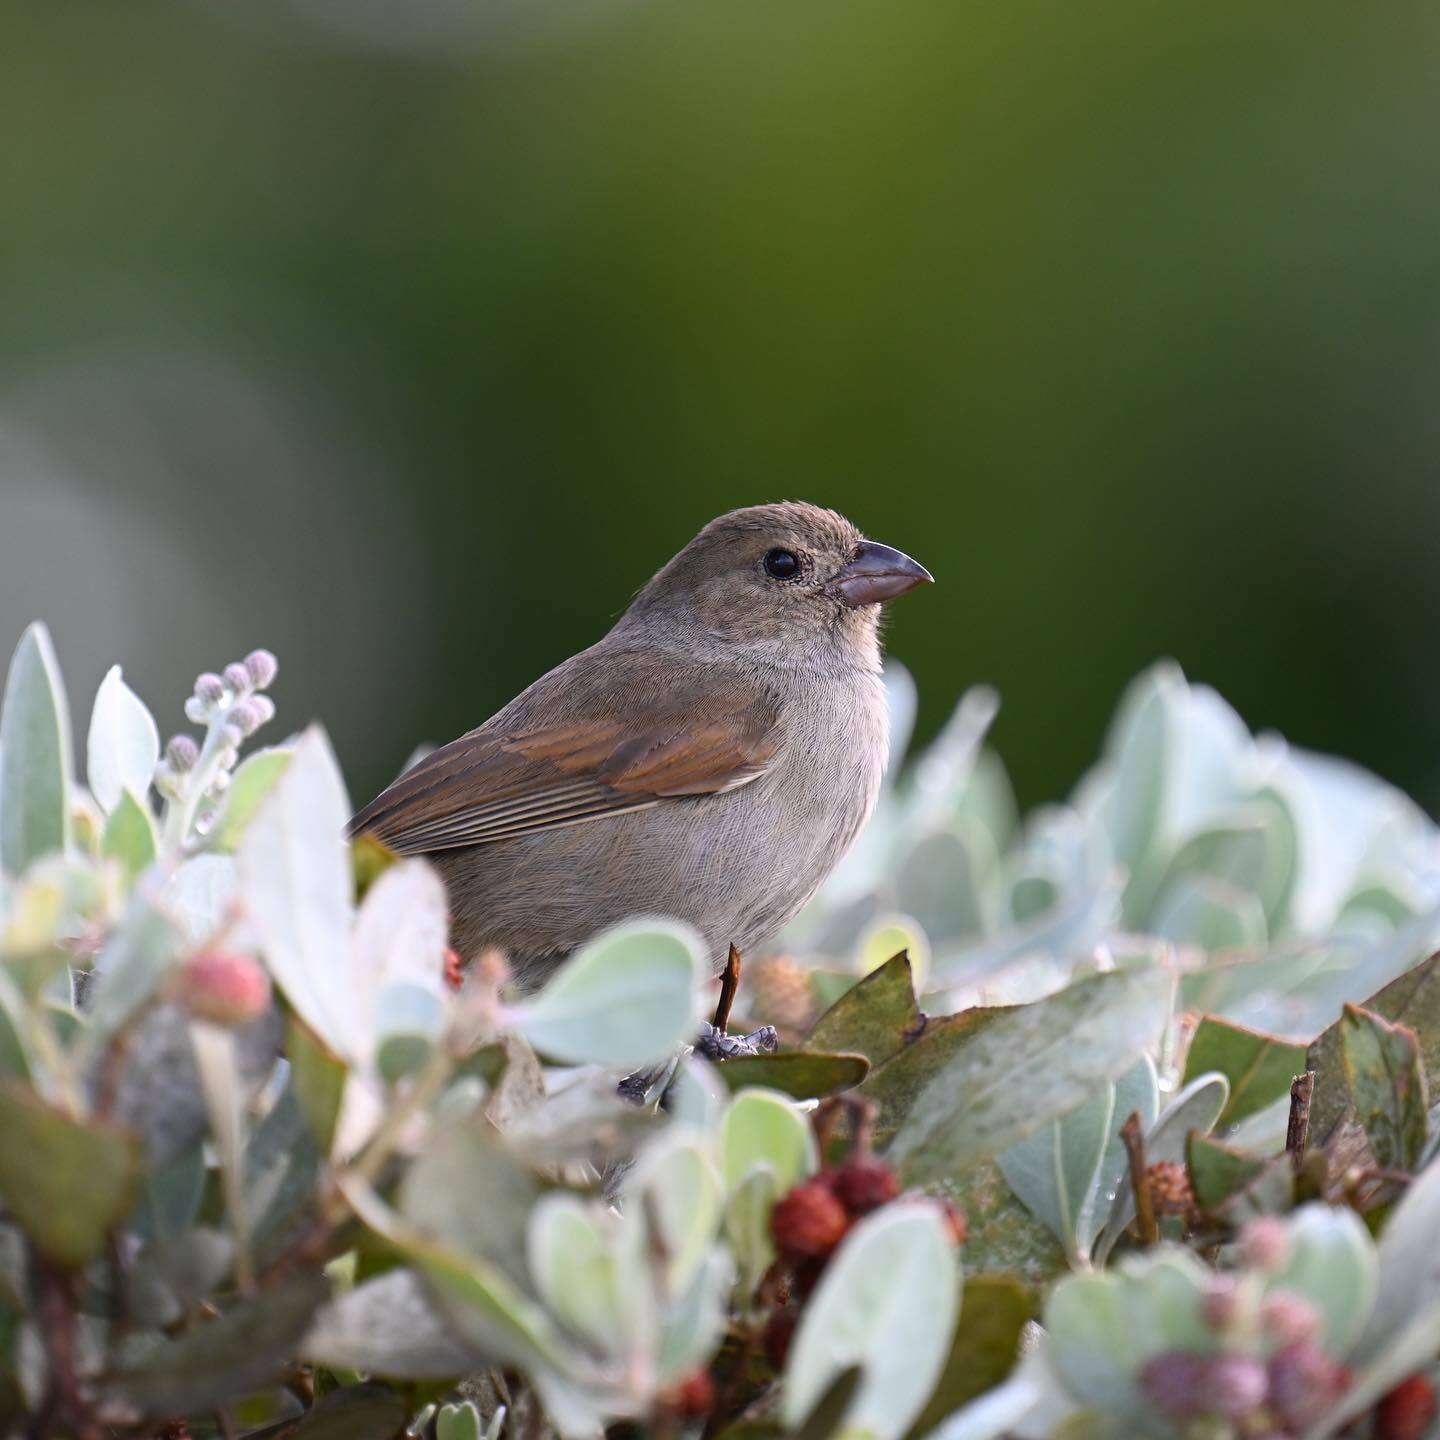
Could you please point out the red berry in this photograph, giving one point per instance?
(224, 986)
(809, 1221)
(1408, 1411)
(692, 1398)
(779, 1331)
(864, 1185)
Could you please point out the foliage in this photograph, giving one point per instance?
(269, 1170)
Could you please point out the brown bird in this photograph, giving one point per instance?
(710, 759)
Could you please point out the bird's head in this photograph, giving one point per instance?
(780, 580)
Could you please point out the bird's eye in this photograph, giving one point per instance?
(782, 564)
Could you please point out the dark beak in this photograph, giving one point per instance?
(877, 573)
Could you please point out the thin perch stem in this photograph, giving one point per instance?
(729, 985)
(1297, 1132)
(1133, 1137)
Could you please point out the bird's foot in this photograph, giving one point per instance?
(714, 1044)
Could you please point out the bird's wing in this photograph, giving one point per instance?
(616, 736)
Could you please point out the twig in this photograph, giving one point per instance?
(729, 985)
(1133, 1137)
(1297, 1132)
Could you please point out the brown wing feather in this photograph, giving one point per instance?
(505, 780)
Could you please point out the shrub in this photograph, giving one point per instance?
(1145, 1152)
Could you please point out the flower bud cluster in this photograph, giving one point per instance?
(231, 706)
(1270, 1375)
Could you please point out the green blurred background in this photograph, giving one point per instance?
(407, 337)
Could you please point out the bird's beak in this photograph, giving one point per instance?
(876, 573)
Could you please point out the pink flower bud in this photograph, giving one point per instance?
(245, 717)
(224, 986)
(264, 707)
(1304, 1383)
(263, 667)
(1235, 1385)
(182, 752)
(237, 678)
(231, 737)
(1220, 1305)
(1265, 1243)
(209, 688)
(1174, 1383)
(1288, 1318)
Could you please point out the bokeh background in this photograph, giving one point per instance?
(407, 337)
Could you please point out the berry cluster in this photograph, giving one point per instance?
(812, 1218)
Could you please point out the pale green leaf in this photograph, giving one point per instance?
(295, 884)
(887, 1303)
(123, 746)
(129, 836)
(35, 759)
(628, 998)
(970, 1089)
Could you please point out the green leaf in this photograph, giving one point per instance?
(458, 1422)
(874, 1018)
(123, 746)
(487, 1310)
(1055, 1170)
(1259, 1067)
(1387, 1086)
(1412, 1000)
(295, 884)
(1196, 1107)
(1004, 1238)
(136, 959)
(1218, 1171)
(747, 1225)
(130, 836)
(628, 998)
(281, 1172)
(984, 1348)
(1402, 1332)
(250, 786)
(941, 881)
(805, 1074)
(469, 1160)
(1208, 914)
(357, 1412)
(319, 1081)
(762, 1128)
(225, 1359)
(981, 1081)
(389, 1326)
(886, 1302)
(1139, 747)
(676, 1184)
(67, 1183)
(579, 1273)
(1333, 1265)
(1103, 1327)
(34, 756)
(1137, 1092)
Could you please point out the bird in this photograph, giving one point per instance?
(710, 759)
